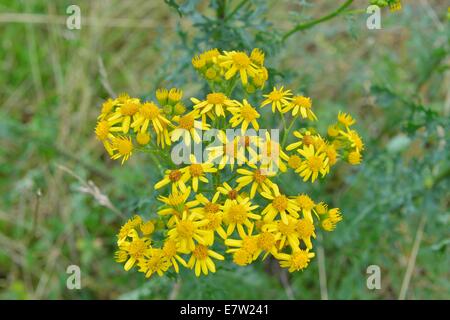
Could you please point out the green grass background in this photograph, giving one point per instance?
(395, 81)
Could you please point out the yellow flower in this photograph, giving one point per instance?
(125, 113)
(353, 137)
(267, 242)
(333, 130)
(210, 211)
(331, 153)
(161, 95)
(132, 251)
(107, 108)
(315, 162)
(104, 133)
(187, 229)
(154, 261)
(346, 119)
(306, 204)
(143, 138)
(170, 250)
(175, 177)
(278, 98)
(122, 147)
(198, 62)
(280, 204)
(149, 113)
(130, 225)
(294, 161)
(259, 179)
(238, 213)
(305, 230)
(257, 56)
(354, 158)
(245, 250)
(197, 172)
(201, 260)
(238, 61)
(330, 219)
(175, 95)
(244, 113)
(147, 228)
(296, 261)
(284, 231)
(229, 192)
(271, 154)
(188, 127)
(226, 153)
(176, 202)
(213, 105)
(163, 138)
(304, 139)
(301, 105)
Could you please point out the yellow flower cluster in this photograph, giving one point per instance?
(232, 199)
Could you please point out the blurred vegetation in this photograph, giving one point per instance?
(54, 174)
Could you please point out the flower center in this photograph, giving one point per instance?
(170, 248)
(241, 60)
(129, 108)
(186, 229)
(280, 203)
(250, 245)
(305, 202)
(258, 177)
(248, 113)
(299, 260)
(216, 98)
(305, 228)
(241, 257)
(237, 214)
(137, 248)
(214, 221)
(294, 161)
(266, 241)
(275, 95)
(315, 163)
(124, 146)
(187, 122)
(211, 207)
(175, 175)
(232, 194)
(302, 101)
(149, 111)
(196, 169)
(200, 252)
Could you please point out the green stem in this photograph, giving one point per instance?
(286, 132)
(235, 10)
(310, 24)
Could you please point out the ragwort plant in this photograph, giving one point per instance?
(226, 202)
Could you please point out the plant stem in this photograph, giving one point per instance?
(310, 24)
(286, 132)
(235, 10)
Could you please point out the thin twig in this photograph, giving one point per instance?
(307, 25)
(104, 78)
(412, 259)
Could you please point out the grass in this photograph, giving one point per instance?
(53, 172)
